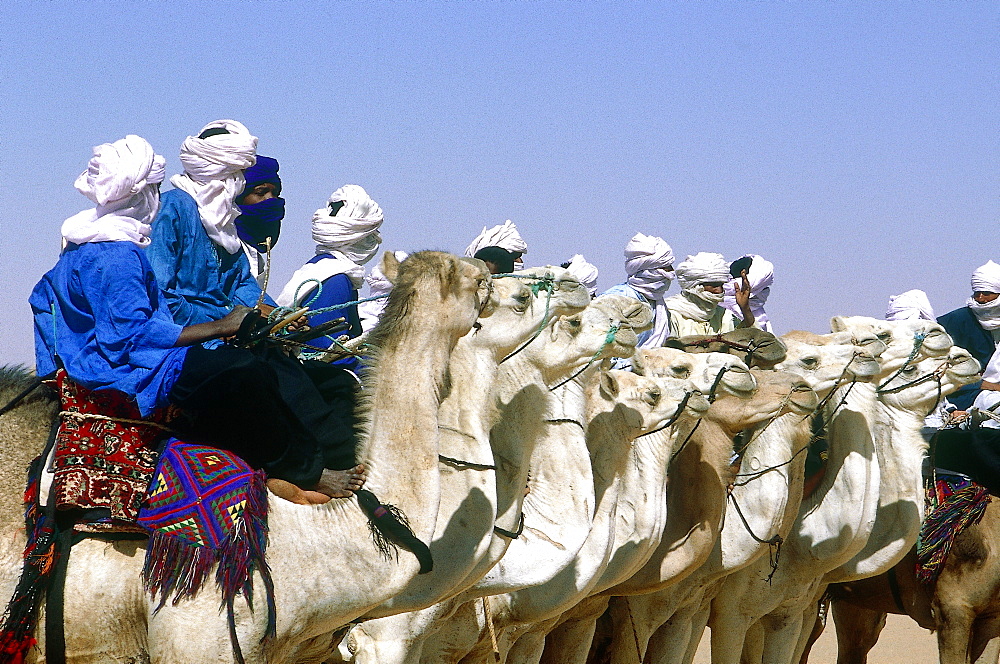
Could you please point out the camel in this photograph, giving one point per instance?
(537, 431)
(436, 300)
(621, 406)
(825, 537)
(468, 492)
(756, 347)
(823, 367)
(962, 606)
(780, 406)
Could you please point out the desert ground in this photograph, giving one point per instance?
(902, 642)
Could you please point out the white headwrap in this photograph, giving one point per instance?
(647, 259)
(348, 239)
(213, 175)
(986, 278)
(118, 180)
(911, 305)
(694, 301)
(584, 272)
(760, 277)
(377, 285)
(505, 236)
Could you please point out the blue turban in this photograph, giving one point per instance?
(261, 220)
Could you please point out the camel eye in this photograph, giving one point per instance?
(682, 372)
(884, 336)
(809, 362)
(652, 397)
(574, 322)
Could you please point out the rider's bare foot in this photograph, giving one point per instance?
(342, 483)
(288, 491)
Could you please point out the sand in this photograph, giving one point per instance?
(902, 642)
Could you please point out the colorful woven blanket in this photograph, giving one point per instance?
(953, 504)
(104, 455)
(206, 507)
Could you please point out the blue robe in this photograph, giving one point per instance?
(100, 311)
(965, 330)
(201, 281)
(337, 289)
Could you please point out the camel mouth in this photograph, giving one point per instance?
(873, 346)
(697, 404)
(937, 342)
(802, 400)
(771, 351)
(964, 367)
(864, 367)
(739, 382)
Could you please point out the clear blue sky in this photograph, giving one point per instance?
(854, 144)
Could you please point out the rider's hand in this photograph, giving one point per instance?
(230, 324)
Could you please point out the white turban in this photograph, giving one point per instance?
(213, 175)
(702, 268)
(694, 301)
(986, 278)
(378, 285)
(649, 265)
(760, 276)
(118, 180)
(505, 236)
(347, 240)
(584, 272)
(911, 305)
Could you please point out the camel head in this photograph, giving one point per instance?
(603, 330)
(648, 403)
(432, 292)
(703, 369)
(918, 386)
(901, 336)
(778, 393)
(825, 365)
(762, 348)
(637, 315)
(517, 308)
(867, 340)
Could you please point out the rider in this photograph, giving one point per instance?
(697, 308)
(100, 314)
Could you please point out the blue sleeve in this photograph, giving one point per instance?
(127, 323)
(246, 290)
(167, 242)
(42, 301)
(338, 289)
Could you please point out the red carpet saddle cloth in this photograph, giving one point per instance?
(104, 455)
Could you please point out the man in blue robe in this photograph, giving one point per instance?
(100, 314)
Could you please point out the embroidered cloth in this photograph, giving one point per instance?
(954, 503)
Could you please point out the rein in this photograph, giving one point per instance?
(609, 338)
(546, 282)
(749, 349)
(918, 341)
(937, 375)
(774, 543)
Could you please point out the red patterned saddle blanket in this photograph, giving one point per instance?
(104, 455)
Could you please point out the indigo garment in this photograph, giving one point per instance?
(201, 281)
(100, 311)
(261, 221)
(964, 329)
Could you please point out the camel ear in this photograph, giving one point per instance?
(837, 324)
(609, 384)
(390, 266)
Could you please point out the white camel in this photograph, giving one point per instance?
(780, 406)
(823, 366)
(436, 300)
(823, 536)
(621, 407)
(536, 431)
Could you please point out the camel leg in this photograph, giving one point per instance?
(570, 641)
(633, 623)
(858, 629)
(670, 641)
(954, 633)
(985, 645)
(529, 646)
(783, 631)
(817, 630)
(698, 623)
(753, 644)
(729, 631)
